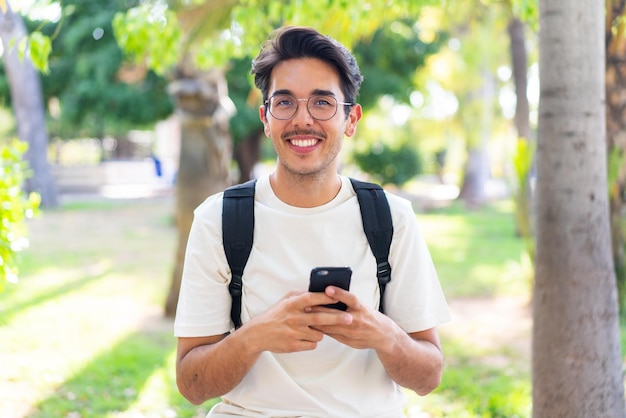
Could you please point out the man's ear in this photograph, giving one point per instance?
(353, 118)
(263, 118)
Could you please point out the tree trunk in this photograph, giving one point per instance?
(518, 62)
(247, 154)
(476, 170)
(523, 193)
(28, 106)
(616, 135)
(205, 154)
(577, 369)
(476, 174)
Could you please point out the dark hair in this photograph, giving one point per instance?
(302, 42)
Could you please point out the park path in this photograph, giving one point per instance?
(493, 324)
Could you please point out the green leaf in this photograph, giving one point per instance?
(40, 48)
(15, 208)
(143, 30)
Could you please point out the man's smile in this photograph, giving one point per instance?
(304, 139)
(303, 142)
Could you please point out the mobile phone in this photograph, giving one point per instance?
(321, 277)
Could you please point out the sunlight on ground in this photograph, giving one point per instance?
(34, 359)
(154, 396)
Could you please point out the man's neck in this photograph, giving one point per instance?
(305, 191)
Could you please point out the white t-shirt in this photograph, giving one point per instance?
(333, 380)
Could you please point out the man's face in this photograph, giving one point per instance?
(304, 145)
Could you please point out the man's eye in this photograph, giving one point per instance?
(283, 102)
(322, 102)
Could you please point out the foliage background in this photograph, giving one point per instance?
(15, 209)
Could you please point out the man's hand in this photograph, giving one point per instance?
(292, 324)
(209, 367)
(368, 328)
(413, 360)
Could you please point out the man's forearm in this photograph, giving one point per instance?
(414, 363)
(209, 371)
(209, 367)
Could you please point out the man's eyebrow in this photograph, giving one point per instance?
(320, 92)
(316, 92)
(282, 91)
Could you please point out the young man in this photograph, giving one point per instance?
(293, 357)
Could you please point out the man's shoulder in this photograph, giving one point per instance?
(212, 205)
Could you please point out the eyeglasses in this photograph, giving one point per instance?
(320, 107)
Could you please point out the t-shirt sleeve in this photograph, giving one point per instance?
(204, 301)
(414, 297)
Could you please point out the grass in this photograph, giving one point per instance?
(83, 333)
(478, 255)
(476, 252)
(473, 386)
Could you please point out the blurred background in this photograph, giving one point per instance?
(118, 118)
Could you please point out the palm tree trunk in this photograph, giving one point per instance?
(477, 170)
(248, 153)
(518, 61)
(577, 367)
(205, 155)
(523, 194)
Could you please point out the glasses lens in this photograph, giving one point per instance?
(283, 106)
(322, 107)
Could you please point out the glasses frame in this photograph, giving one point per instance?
(307, 100)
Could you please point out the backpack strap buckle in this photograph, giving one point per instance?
(235, 285)
(383, 272)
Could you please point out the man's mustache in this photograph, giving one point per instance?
(309, 132)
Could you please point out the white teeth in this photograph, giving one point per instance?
(303, 142)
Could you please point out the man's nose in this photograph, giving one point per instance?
(302, 116)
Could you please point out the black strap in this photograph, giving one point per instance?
(237, 236)
(378, 228)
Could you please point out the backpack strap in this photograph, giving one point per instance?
(237, 236)
(378, 228)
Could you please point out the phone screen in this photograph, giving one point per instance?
(321, 277)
